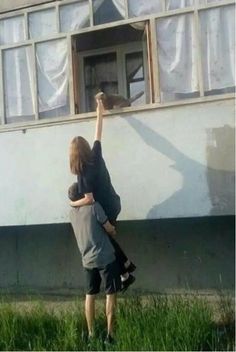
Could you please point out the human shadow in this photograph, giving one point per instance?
(213, 196)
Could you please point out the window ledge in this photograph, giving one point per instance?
(23, 126)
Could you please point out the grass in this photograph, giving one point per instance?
(156, 323)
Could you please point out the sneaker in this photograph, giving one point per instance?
(127, 283)
(131, 267)
(109, 340)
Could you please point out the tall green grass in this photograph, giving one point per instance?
(156, 323)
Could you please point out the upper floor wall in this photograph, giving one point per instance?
(10, 5)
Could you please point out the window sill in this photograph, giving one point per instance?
(23, 126)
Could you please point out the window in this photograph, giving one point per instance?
(74, 16)
(18, 80)
(12, 30)
(218, 46)
(42, 23)
(177, 57)
(117, 69)
(52, 78)
(55, 57)
(108, 11)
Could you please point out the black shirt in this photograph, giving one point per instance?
(95, 179)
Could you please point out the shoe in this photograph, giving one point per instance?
(109, 340)
(131, 267)
(127, 283)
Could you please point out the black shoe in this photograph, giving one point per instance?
(127, 283)
(109, 340)
(131, 267)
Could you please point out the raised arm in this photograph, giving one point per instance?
(98, 130)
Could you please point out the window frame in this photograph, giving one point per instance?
(152, 62)
(121, 51)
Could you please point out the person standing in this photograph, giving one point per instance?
(91, 226)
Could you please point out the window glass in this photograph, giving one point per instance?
(144, 7)
(108, 11)
(42, 23)
(100, 75)
(177, 57)
(18, 84)
(52, 78)
(178, 4)
(217, 45)
(12, 30)
(135, 77)
(74, 16)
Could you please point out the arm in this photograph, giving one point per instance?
(98, 129)
(87, 200)
(109, 228)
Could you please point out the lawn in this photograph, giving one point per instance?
(156, 323)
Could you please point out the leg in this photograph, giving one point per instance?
(110, 310)
(93, 281)
(90, 313)
(111, 277)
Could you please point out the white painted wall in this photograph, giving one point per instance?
(164, 163)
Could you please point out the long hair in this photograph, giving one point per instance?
(80, 154)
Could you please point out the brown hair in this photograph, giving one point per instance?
(80, 154)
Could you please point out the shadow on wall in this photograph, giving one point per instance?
(219, 197)
(221, 183)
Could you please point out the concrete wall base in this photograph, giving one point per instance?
(172, 255)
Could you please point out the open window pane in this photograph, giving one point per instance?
(111, 60)
(108, 11)
(144, 7)
(12, 30)
(42, 23)
(178, 4)
(18, 84)
(177, 59)
(135, 77)
(52, 77)
(100, 75)
(74, 16)
(218, 48)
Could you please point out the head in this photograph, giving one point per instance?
(73, 193)
(80, 154)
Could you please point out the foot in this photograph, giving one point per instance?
(131, 267)
(127, 283)
(109, 340)
(90, 340)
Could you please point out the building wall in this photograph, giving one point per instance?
(165, 163)
(9, 5)
(172, 255)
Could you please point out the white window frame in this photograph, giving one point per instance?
(69, 37)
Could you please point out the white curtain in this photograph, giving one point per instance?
(18, 82)
(52, 75)
(12, 30)
(178, 4)
(218, 47)
(42, 23)
(176, 55)
(144, 7)
(74, 16)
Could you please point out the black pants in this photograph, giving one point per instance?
(121, 258)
